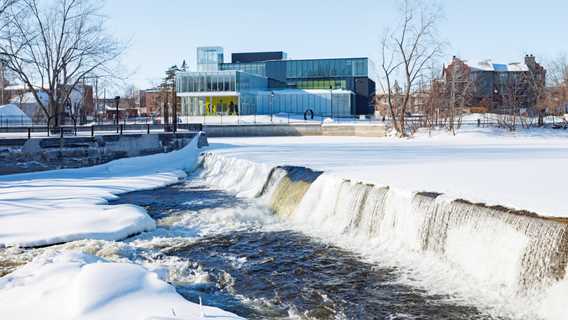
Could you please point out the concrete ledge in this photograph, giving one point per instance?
(279, 130)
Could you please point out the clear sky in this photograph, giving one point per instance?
(163, 33)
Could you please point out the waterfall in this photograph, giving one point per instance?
(285, 188)
(241, 177)
(514, 249)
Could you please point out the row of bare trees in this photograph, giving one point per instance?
(416, 94)
(556, 95)
(407, 53)
(53, 46)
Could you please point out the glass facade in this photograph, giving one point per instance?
(258, 68)
(298, 101)
(209, 58)
(250, 82)
(219, 81)
(209, 105)
(304, 69)
(214, 81)
(273, 86)
(218, 92)
(321, 84)
(326, 68)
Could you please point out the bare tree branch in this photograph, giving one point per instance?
(56, 44)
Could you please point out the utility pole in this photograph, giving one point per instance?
(117, 101)
(174, 105)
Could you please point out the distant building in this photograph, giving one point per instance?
(80, 104)
(269, 83)
(499, 87)
(151, 102)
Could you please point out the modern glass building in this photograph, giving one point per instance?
(269, 83)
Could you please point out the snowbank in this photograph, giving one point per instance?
(523, 170)
(65, 205)
(80, 286)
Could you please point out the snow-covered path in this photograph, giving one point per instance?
(524, 170)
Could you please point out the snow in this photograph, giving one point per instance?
(11, 114)
(523, 170)
(28, 97)
(488, 65)
(71, 285)
(64, 205)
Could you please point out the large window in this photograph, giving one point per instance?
(206, 81)
(356, 67)
(209, 58)
(219, 81)
(321, 84)
(298, 101)
(254, 68)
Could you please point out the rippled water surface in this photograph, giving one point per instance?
(262, 272)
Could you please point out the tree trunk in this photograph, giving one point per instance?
(166, 115)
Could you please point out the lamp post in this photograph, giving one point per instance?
(331, 100)
(117, 102)
(271, 104)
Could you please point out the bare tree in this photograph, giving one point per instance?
(407, 53)
(458, 93)
(557, 90)
(52, 46)
(513, 96)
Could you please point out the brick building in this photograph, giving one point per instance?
(498, 88)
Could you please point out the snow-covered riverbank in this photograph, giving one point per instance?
(67, 205)
(72, 285)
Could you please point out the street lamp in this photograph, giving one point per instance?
(117, 102)
(331, 100)
(271, 103)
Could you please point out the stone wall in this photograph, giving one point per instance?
(26, 155)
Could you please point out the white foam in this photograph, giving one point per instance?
(469, 253)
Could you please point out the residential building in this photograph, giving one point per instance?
(80, 105)
(270, 83)
(495, 87)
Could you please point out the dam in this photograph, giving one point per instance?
(292, 242)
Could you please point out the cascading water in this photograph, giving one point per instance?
(515, 250)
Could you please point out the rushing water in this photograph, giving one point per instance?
(257, 268)
(289, 242)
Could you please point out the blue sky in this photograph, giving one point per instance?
(163, 33)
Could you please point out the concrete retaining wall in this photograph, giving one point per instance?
(37, 154)
(260, 130)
